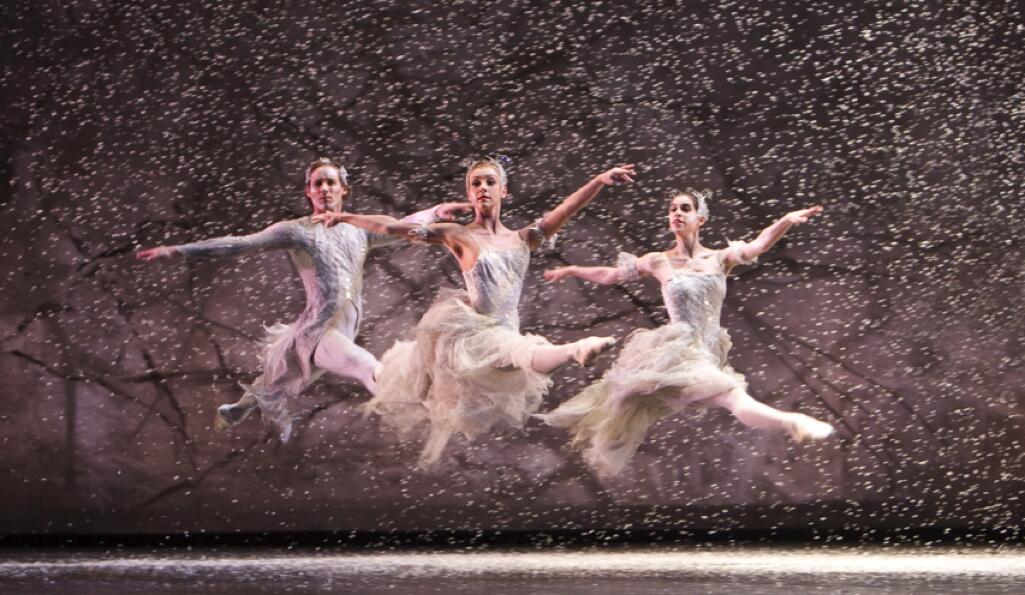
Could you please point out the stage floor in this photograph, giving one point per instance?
(785, 569)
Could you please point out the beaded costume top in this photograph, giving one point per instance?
(496, 281)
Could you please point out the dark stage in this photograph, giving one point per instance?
(758, 570)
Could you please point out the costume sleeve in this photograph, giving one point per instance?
(627, 266)
(735, 250)
(536, 237)
(277, 236)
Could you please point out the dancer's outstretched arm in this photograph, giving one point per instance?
(603, 275)
(599, 275)
(453, 236)
(278, 235)
(555, 219)
(769, 236)
(442, 212)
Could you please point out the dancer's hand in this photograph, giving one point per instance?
(622, 174)
(803, 215)
(329, 218)
(154, 253)
(446, 211)
(553, 275)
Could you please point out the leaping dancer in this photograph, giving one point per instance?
(330, 264)
(468, 367)
(661, 371)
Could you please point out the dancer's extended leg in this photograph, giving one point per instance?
(338, 354)
(271, 397)
(546, 358)
(335, 353)
(755, 414)
(232, 414)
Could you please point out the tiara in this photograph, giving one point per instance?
(703, 194)
(702, 197)
(497, 158)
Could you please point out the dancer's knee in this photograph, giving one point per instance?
(731, 399)
(344, 357)
(529, 359)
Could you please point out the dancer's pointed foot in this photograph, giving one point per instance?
(284, 430)
(230, 415)
(806, 429)
(585, 349)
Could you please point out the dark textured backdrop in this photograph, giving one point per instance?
(897, 315)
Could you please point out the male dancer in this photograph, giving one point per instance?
(330, 264)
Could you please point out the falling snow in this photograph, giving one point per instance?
(896, 315)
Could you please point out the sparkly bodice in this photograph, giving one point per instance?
(329, 262)
(495, 282)
(696, 299)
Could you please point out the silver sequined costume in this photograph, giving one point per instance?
(330, 263)
(658, 372)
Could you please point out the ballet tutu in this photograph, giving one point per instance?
(462, 372)
(658, 372)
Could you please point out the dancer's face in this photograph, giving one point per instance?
(683, 214)
(325, 190)
(484, 188)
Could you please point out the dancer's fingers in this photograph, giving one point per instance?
(552, 275)
(152, 253)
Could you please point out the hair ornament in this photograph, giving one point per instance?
(343, 174)
(498, 160)
(701, 198)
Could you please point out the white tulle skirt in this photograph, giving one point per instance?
(659, 372)
(462, 372)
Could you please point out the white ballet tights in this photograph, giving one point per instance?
(546, 358)
(753, 413)
(337, 354)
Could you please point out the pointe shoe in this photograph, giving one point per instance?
(806, 429)
(230, 415)
(284, 430)
(587, 348)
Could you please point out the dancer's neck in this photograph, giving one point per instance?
(489, 221)
(686, 245)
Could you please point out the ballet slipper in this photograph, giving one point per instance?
(585, 349)
(807, 429)
(230, 415)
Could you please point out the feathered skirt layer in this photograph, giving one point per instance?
(658, 372)
(462, 372)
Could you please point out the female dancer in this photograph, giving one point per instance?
(330, 263)
(660, 371)
(468, 366)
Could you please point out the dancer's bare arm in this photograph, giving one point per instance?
(769, 236)
(605, 275)
(453, 236)
(555, 219)
(599, 275)
(446, 211)
(274, 237)
(442, 212)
